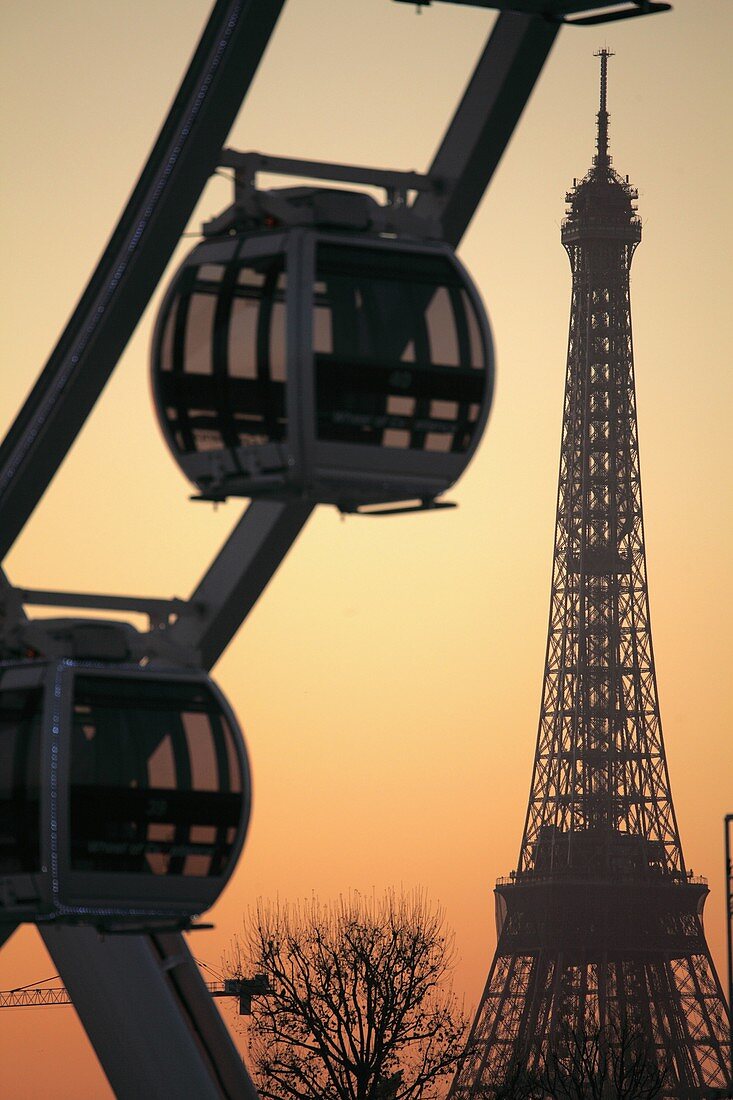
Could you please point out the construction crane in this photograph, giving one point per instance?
(38, 994)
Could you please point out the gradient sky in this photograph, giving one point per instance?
(389, 678)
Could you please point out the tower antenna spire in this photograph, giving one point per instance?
(603, 159)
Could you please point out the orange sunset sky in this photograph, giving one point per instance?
(389, 679)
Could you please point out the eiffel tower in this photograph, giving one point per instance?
(600, 926)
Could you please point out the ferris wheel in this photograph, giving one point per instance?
(317, 347)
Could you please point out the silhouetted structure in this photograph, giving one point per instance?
(601, 924)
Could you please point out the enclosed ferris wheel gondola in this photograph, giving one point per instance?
(340, 366)
(124, 793)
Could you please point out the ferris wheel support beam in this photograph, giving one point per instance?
(184, 156)
(485, 119)
(238, 576)
(173, 1042)
(6, 931)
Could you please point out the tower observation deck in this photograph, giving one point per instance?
(600, 935)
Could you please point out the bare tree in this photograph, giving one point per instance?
(617, 1063)
(360, 1008)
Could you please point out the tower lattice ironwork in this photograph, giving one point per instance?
(600, 927)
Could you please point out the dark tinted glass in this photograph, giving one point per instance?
(20, 755)
(221, 359)
(399, 357)
(155, 782)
